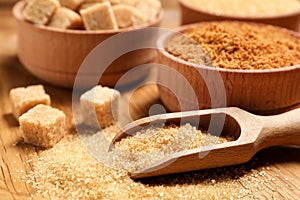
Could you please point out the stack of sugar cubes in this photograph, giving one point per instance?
(40, 124)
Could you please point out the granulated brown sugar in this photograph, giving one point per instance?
(173, 137)
(155, 139)
(68, 171)
(236, 45)
(128, 156)
(147, 146)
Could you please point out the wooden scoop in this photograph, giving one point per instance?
(253, 133)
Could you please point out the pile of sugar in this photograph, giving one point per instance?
(174, 138)
(126, 154)
(237, 45)
(147, 146)
(69, 171)
(245, 8)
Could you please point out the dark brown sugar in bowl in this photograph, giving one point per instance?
(238, 45)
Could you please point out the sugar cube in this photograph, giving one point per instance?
(99, 106)
(43, 126)
(40, 11)
(25, 98)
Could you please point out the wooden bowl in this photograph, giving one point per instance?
(55, 55)
(269, 91)
(190, 14)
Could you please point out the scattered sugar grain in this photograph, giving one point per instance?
(68, 171)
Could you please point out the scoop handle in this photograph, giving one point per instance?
(282, 129)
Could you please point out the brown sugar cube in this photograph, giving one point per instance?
(43, 126)
(40, 11)
(99, 17)
(94, 1)
(72, 4)
(86, 5)
(125, 2)
(28, 1)
(114, 2)
(89, 3)
(127, 16)
(65, 18)
(24, 99)
(150, 8)
(99, 106)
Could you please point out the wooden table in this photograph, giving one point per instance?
(286, 161)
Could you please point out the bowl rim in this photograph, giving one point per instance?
(20, 5)
(161, 49)
(184, 3)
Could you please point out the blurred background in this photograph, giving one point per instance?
(166, 3)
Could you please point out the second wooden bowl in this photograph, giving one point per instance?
(190, 14)
(259, 91)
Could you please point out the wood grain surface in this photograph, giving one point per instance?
(282, 160)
